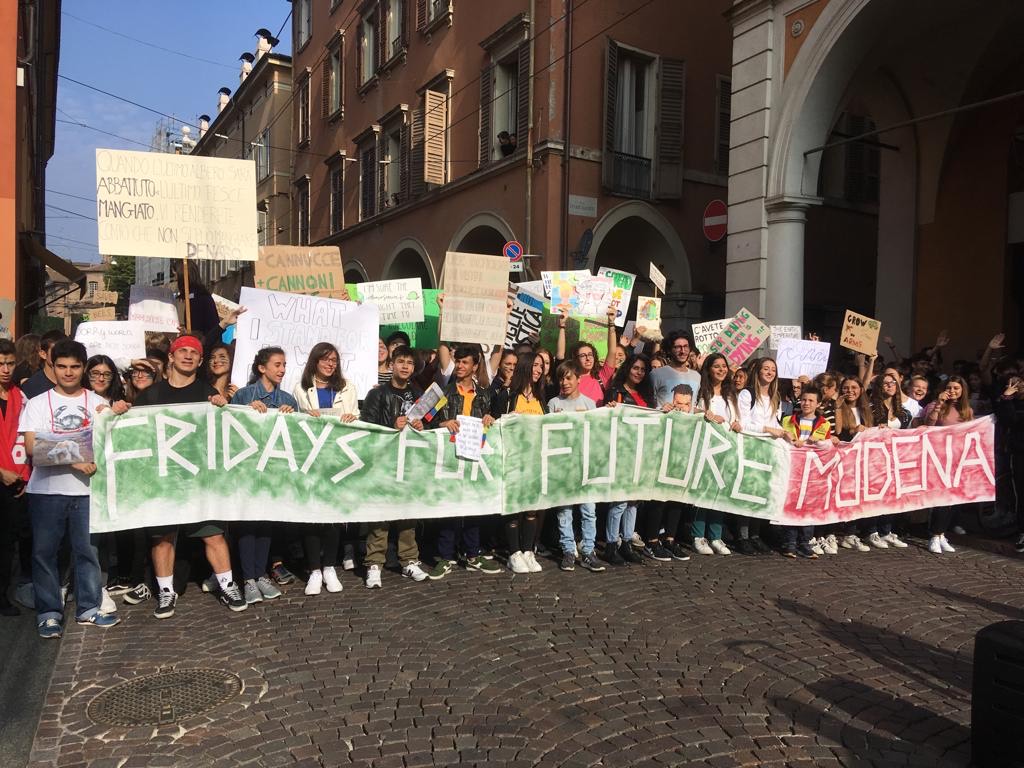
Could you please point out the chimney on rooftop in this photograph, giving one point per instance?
(266, 42)
(204, 125)
(224, 98)
(247, 60)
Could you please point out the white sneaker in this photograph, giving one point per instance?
(638, 540)
(945, 545)
(414, 571)
(816, 546)
(314, 583)
(852, 541)
(517, 563)
(373, 577)
(348, 559)
(107, 604)
(877, 541)
(830, 544)
(331, 579)
(894, 541)
(935, 545)
(719, 548)
(700, 546)
(531, 561)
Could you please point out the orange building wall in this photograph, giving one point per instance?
(8, 155)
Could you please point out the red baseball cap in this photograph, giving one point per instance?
(187, 341)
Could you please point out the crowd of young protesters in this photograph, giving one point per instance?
(48, 385)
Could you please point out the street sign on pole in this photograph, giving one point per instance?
(716, 220)
(513, 251)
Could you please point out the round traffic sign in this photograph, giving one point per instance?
(716, 220)
(513, 250)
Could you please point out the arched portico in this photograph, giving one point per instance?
(409, 258)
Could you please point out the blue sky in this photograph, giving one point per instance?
(213, 30)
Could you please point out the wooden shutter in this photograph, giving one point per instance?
(435, 125)
(416, 174)
(360, 42)
(724, 126)
(325, 87)
(611, 88)
(403, 162)
(523, 98)
(421, 15)
(368, 181)
(486, 86)
(405, 23)
(382, 35)
(668, 177)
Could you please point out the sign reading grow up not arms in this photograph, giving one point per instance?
(175, 206)
(302, 269)
(475, 298)
(860, 333)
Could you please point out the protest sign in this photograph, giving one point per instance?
(740, 337)
(525, 319)
(6, 317)
(469, 440)
(175, 206)
(860, 333)
(296, 323)
(579, 293)
(242, 465)
(588, 329)
(567, 280)
(302, 269)
(622, 292)
(475, 287)
(648, 317)
(705, 333)
(657, 278)
(61, 449)
(399, 301)
(105, 297)
(780, 332)
(121, 340)
(796, 358)
(430, 402)
(422, 335)
(154, 308)
(102, 313)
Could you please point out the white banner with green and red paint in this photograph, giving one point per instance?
(190, 463)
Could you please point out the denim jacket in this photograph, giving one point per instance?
(275, 398)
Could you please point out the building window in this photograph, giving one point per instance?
(303, 102)
(368, 31)
(303, 21)
(93, 287)
(303, 213)
(437, 9)
(722, 126)
(368, 178)
(861, 162)
(393, 163)
(506, 101)
(504, 96)
(337, 201)
(395, 26)
(261, 152)
(334, 82)
(262, 222)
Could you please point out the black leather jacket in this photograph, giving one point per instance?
(384, 404)
(481, 404)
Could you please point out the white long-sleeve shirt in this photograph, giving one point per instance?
(755, 416)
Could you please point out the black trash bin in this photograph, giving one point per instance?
(997, 702)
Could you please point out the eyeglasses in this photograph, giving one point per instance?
(680, 346)
(100, 375)
(585, 354)
(328, 361)
(139, 373)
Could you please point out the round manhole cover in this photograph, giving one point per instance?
(163, 698)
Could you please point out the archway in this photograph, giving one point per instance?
(355, 272)
(410, 259)
(485, 233)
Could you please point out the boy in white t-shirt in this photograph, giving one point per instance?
(58, 496)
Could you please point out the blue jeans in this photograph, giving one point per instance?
(469, 527)
(51, 515)
(588, 524)
(707, 524)
(624, 512)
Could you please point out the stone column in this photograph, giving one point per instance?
(784, 281)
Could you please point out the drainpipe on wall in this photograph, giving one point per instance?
(529, 138)
(566, 137)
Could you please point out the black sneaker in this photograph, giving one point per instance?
(138, 595)
(231, 596)
(745, 547)
(788, 553)
(760, 546)
(657, 551)
(282, 575)
(629, 554)
(568, 562)
(166, 599)
(805, 551)
(675, 551)
(612, 555)
(589, 561)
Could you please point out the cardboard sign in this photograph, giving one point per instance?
(296, 323)
(475, 298)
(122, 341)
(154, 308)
(103, 313)
(525, 319)
(6, 318)
(399, 301)
(105, 297)
(796, 358)
(741, 337)
(780, 332)
(569, 277)
(175, 206)
(648, 317)
(622, 291)
(860, 333)
(705, 333)
(302, 269)
(658, 278)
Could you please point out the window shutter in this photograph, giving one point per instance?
(611, 86)
(382, 36)
(523, 98)
(368, 190)
(486, 85)
(421, 15)
(724, 126)
(435, 118)
(360, 42)
(417, 173)
(404, 9)
(325, 87)
(668, 179)
(403, 163)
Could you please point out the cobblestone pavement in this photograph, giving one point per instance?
(860, 659)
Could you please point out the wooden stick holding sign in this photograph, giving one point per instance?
(188, 297)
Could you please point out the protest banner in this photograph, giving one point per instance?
(524, 319)
(622, 292)
(860, 333)
(175, 206)
(241, 465)
(302, 269)
(648, 317)
(6, 317)
(475, 301)
(105, 297)
(121, 340)
(888, 471)
(740, 337)
(154, 308)
(399, 301)
(796, 358)
(705, 333)
(102, 313)
(296, 323)
(780, 332)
